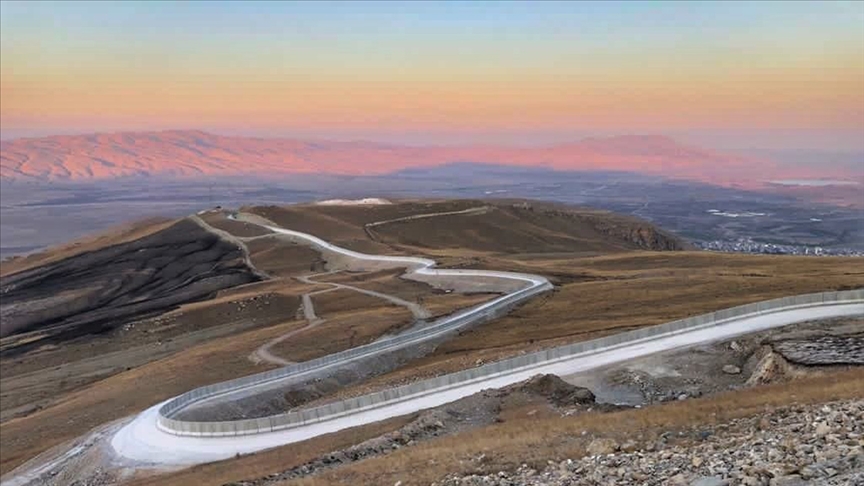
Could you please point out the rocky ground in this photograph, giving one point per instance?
(795, 445)
(777, 355)
(815, 445)
(477, 410)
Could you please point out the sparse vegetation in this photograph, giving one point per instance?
(603, 286)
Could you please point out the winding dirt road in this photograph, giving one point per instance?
(263, 353)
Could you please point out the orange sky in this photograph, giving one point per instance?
(392, 68)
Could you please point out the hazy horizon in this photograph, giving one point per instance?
(460, 140)
(725, 75)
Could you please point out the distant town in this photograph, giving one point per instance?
(747, 245)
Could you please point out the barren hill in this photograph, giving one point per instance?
(104, 287)
(165, 307)
(193, 153)
(102, 283)
(474, 226)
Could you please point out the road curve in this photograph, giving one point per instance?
(416, 310)
(530, 285)
(263, 354)
(143, 440)
(146, 439)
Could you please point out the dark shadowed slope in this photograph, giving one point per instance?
(95, 291)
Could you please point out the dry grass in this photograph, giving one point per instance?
(595, 296)
(443, 304)
(275, 460)
(389, 282)
(41, 377)
(345, 300)
(506, 227)
(598, 296)
(324, 222)
(344, 331)
(290, 288)
(282, 259)
(610, 294)
(134, 390)
(540, 437)
(384, 281)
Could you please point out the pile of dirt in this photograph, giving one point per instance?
(795, 445)
(557, 391)
(768, 367)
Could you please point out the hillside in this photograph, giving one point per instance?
(107, 280)
(196, 153)
(466, 226)
(97, 290)
(609, 272)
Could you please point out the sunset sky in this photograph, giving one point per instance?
(729, 74)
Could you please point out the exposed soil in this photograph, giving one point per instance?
(791, 446)
(34, 380)
(528, 226)
(283, 259)
(94, 292)
(386, 281)
(616, 293)
(345, 331)
(240, 229)
(663, 437)
(815, 348)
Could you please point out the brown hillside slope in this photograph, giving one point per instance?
(601, 288)
(596, 296)
(608, 294)
(497, 227)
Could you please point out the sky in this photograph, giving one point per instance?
(769, 75)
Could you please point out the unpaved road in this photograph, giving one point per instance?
(477, 210)
(263, 353)
(418, 311)
(240, 242)
(523, 286)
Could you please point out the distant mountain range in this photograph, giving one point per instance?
(197, 153)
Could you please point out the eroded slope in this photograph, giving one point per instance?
(95, 291)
